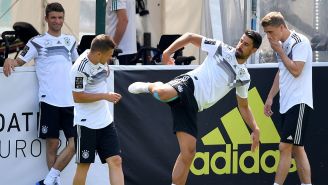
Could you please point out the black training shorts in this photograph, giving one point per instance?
(184, 109)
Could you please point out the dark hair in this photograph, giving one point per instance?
(54, 7)
(102, 43)
(255, 36)
(273, 19)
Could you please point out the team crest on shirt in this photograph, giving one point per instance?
(286, 48)
(25, 50)
(47, 43)
(85, 154)
(228, 57)
(229, 47)
(241, 72)
(67, 41)
(44, 129)
(90, 80)
(94, 71)
(78, 82)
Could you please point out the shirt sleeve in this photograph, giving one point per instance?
(210, 45)
(75, 54)
(79, 80)
(117, 4)
(242, 91)
(300, 52)
(29, 52)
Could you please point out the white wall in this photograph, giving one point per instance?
(172, 17)
(180, 17)
(32, 11)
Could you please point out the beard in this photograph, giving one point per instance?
(239, 55)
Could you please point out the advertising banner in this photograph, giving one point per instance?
(22, 153)
(223, 149)
(149, 148)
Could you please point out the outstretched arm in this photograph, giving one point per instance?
(248, 117)
(182, 41)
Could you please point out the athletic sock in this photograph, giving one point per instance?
(275, 184)
(54, 172)
(52, 175)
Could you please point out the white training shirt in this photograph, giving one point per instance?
(90, 78)
(53, 58)
(128, 43)
(218, 74)
(298, 90)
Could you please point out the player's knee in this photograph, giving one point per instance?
(52, 144)
(188, 154)
(71, 147)
(157, 95)
(297, 150)
(164, 94)
(285, 147)
(115, 161)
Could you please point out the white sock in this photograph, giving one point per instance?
(275, 184)
(305, 184)
(145, 87)
(53, 173)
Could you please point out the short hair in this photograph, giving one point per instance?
(102, 43)
(255, 36)
(273, 19)
(54, 7)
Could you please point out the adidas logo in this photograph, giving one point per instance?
(290, 138)
(232, 149)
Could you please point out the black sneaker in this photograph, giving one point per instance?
(40, 182)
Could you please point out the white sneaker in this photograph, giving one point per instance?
(138, 87)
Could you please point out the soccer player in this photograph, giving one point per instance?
(96, 131)
(223, 69)
(294, 81)
(121, 26)
(53, 53)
